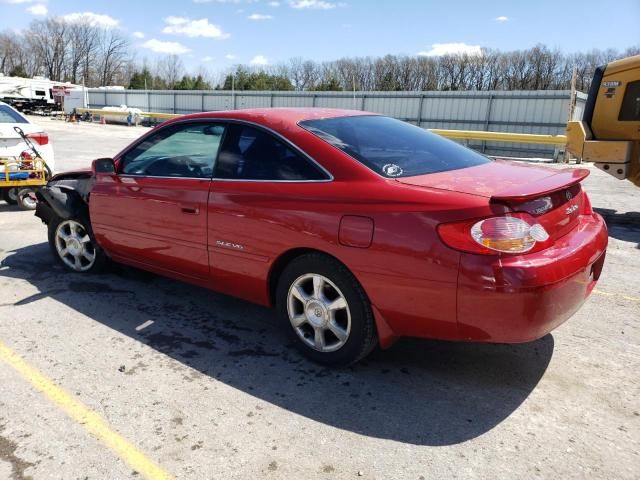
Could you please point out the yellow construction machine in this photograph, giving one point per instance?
(609, 133)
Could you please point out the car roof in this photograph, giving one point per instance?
(273, 117)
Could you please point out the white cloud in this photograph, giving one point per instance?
(259, 60)
(18, 2)
(171, 48)
(274, 4)
(94, 19)
(230, 56)
(207, 59)
(138, 34)
(38, 9)
(439, 49)
(216, 1)
(259, 16)
(312, 4)
(193, 28)
(501, 18)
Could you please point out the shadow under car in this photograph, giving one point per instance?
(420, 392)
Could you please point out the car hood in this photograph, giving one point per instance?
(72, 174)
(499, 178)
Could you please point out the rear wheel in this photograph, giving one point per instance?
(72, 246)
(325, 310)
(10, 195)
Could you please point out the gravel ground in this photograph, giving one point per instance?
(207, 388)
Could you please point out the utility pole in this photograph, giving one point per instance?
(572, 107)
(233, 91)
(353, 79)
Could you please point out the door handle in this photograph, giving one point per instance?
(191, 210)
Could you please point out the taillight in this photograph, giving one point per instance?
(42, 138)
(513, 233)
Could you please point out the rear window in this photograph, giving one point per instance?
(393, 148)
(8, 115)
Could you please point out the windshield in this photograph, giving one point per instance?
(393, 148)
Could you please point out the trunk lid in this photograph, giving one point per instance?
(552, 196)
(11, 143)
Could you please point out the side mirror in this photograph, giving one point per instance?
(103, 165)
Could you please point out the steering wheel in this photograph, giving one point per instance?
(193, 167)
(196, 168)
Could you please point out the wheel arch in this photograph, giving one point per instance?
(64, 201)
(386, 335)
(280, 263)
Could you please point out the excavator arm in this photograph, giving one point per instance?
(609, 133)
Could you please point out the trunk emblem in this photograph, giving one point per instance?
(571, 209)
(568, 195)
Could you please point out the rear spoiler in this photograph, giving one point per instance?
(561, 180)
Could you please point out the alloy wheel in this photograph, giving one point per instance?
(74, 246)
(319, 312)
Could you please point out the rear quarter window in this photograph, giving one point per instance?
(393, 148)
(9, 115)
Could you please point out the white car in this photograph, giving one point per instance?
(12, 146)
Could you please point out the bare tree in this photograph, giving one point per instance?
(113, 52)
(82, 51)
(47, 40)
(170, 69)
(84, 43)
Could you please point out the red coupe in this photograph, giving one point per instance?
(357, 227)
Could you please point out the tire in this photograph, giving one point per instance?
(26, 198)
(80, 244)
(10, 195)
(317, 323)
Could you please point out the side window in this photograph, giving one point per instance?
(252, 154)
(630, 110)
(180, 150)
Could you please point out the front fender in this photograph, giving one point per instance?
(65, 198)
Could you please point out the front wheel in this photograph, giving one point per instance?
(26, 198)
(325, 310)
(72, 246)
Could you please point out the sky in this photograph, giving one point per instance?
(217, 34)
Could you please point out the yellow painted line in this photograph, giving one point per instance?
(91, 421)
(608, 294)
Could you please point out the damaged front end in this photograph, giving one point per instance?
(65, 196)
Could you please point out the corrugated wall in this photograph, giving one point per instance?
(501, 111)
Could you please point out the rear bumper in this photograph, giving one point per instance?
(521, 298)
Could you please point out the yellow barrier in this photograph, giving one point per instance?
(452, 134)
(116, 113)
(501, 136)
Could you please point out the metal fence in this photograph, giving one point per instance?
(538, 112)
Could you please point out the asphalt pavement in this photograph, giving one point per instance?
(128, 375)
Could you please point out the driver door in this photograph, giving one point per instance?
(153, 212)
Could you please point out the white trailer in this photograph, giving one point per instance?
(31, 94)
(75, 98)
